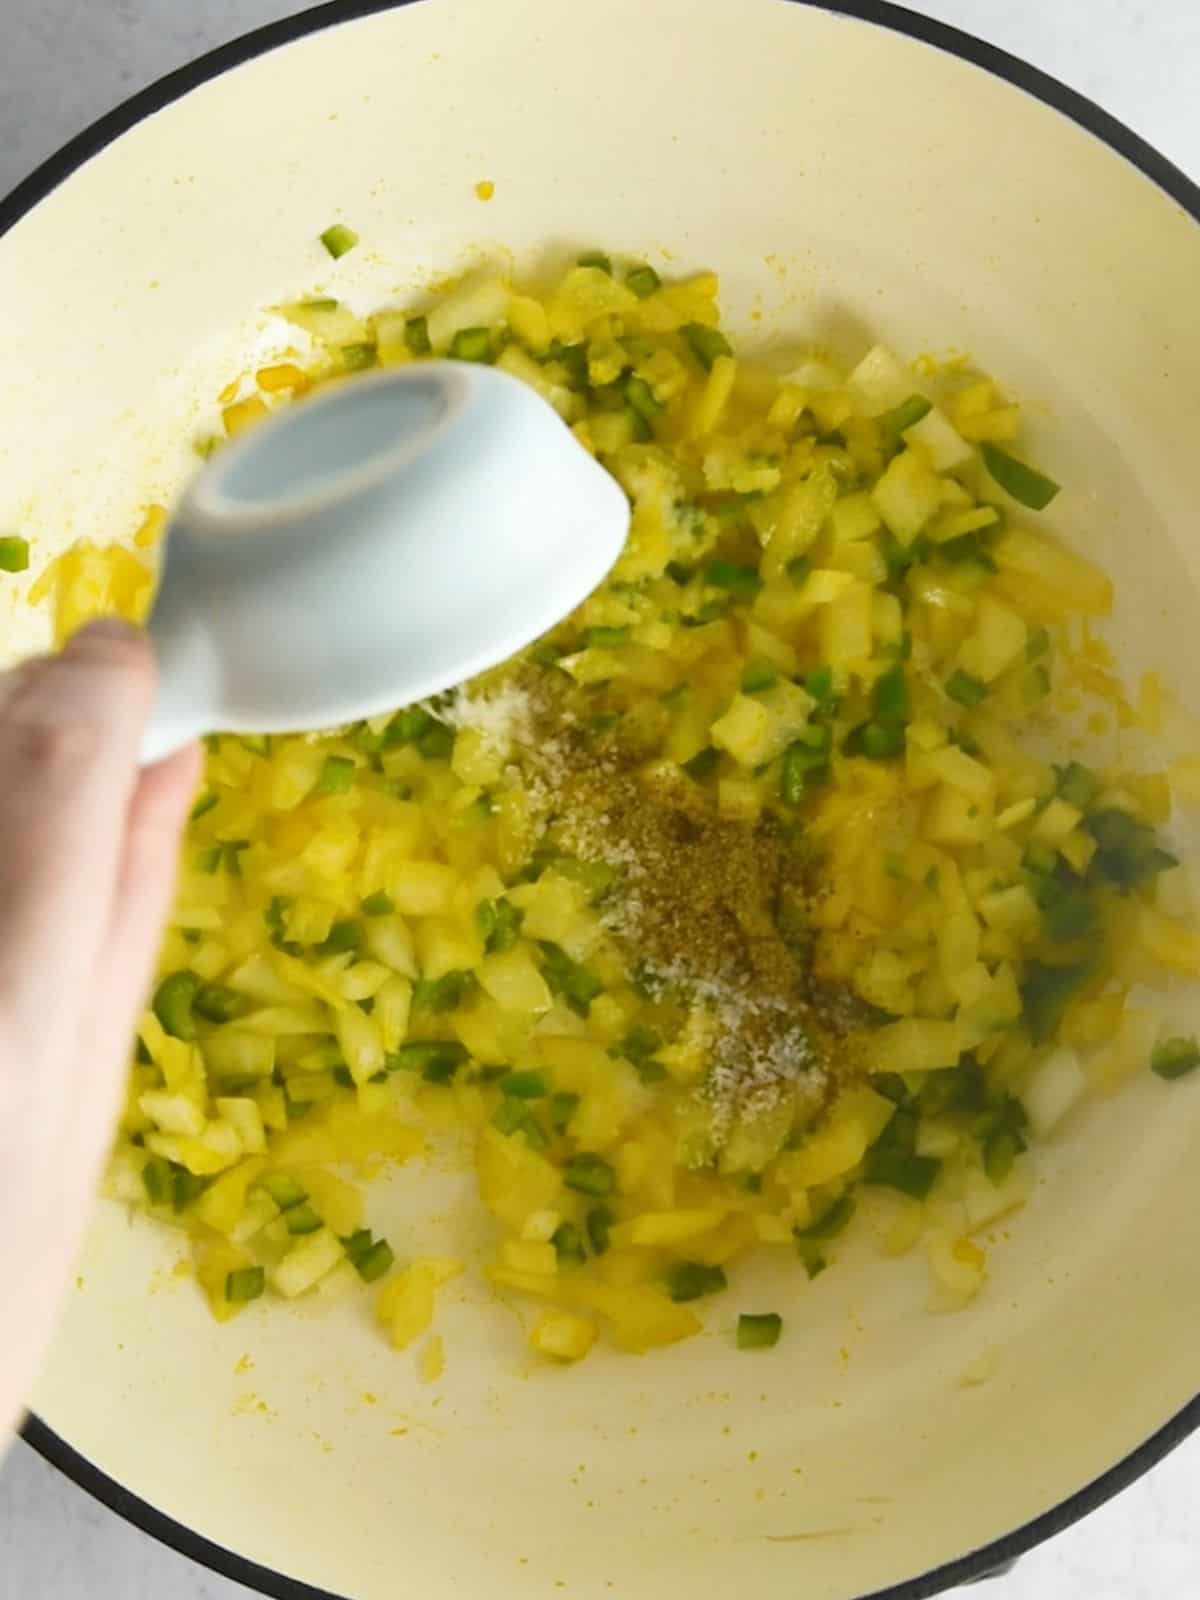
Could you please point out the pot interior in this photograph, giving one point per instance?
(849, 184)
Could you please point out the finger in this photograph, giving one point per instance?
(145, 884)
(12, 680)
(70, 726)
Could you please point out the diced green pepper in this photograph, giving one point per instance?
(1175, 1058)
(510, 1116)
(1000, 1153)
(801, 766)
(1078, 785)
(819, 684)
(892, 1086)
(703, 764)
(912, 1174)
(639, 1046)
(216, 1002)
(641, 430)
(525, 1085)
(204, 804)
(641, 399)
(639, 1043)
(568, 1244)
(173, 1001)
(379, 904)
(446, 993)
(472, 344)
(690, 1280)
(891, 698)
(596, 259)
(231, 856)
(285, 1191)
(514, 1116)
(1040, 858)
(338, 239)
(568, 979)
(407, 726)
(1024, 483)
(159, 1181)
(437, 742)
(188, 1187)
(1037, 644)
(1045, 993)
(969, 550)
(759, 1331)
(881, 742)
(563, 1107)
(359, 357)
(1127, 851)
(906, 415)
(504, 924)
(485, 919)
(573, 357)
(14, 553)
(337, 775)
(759, 675)
(831, 1222)
(898, 558)
(605, 638)
(966, 690)
(301, 1218)
(440, 1069)
(416, 336)
(372, 1264)
(741, 582)
(1070, 916)
(599, 1225)
(705, 343)
(588, 1173)
(245, 1284)
(346, 934)
(643, 281)
(441, 1056)
(960, 1088)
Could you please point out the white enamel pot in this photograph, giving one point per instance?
(847, 169)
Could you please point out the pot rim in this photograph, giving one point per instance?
(990, 1559)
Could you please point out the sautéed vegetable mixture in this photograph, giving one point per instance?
(739, 896)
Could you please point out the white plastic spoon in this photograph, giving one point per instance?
(376, 544)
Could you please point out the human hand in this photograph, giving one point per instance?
(88, 850)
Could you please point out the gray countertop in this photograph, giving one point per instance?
(63, 63)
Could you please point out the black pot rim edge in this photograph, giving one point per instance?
(1031, 80)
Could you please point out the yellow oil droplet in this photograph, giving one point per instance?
(151, 529)
(485, 189)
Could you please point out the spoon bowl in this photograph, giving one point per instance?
(379, 543)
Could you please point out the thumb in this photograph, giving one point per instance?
(69, 731)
